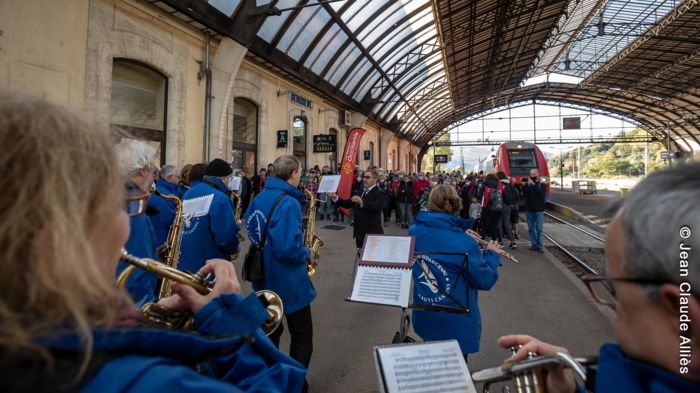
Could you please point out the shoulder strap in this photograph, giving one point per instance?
(263, 238)
(216, 186)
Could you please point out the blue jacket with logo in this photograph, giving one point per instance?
(142, 244)
(444, 233)
(162, 211)
(620, 374)
(284, 254)
(231, 352)
(212, 232)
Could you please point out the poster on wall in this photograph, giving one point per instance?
(571, 123)
(367, 155)
(441, 158)
(282, 138)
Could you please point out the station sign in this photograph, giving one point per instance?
(325, 143)
(441, 159)
(282, 138)
(367, 155)
(297, 99)
(571, 123)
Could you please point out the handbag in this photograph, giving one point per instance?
(253, 264)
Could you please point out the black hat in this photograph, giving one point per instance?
(219, 168)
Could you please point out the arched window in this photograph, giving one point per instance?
(299, 139)
(138, 105)
(245, 134)
(371, 154)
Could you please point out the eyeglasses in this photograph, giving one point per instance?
(136, 204)
(366, 177)
(603, 291)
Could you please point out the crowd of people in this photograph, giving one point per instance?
(72, 200)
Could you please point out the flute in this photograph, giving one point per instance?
(485, 243)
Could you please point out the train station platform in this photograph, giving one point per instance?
(537, 296)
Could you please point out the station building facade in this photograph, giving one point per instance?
(127, 64)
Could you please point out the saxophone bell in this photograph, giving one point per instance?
(156, 315)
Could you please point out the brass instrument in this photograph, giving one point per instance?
(171, 247)
(527, 375)
(156, 315)
(237, 218)
(313, 242)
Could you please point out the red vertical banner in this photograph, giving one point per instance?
(347, 168)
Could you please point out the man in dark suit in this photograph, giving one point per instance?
(368, 204)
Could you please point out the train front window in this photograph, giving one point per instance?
(521, 161)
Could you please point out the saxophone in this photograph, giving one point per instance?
(237, 218)
(171, 247)
(313, 242)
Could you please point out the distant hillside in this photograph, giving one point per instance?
(609, 160)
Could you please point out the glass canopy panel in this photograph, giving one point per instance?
(366, 86)
(394, 12)
(321, 55)
(340, 60)
(388, 41)
(338, 5)
(343, 64)
(225, 6)
(302, 31)
(356, 75)
(388, 23)
(272, 24)
(320, 48)
(360, 11)
(623, 21)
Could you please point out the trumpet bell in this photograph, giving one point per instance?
(275, 310)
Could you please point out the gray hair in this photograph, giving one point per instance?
(168, 170)
(284, 166)
(133, 156)
(654, 215)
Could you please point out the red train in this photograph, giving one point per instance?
(516, 159)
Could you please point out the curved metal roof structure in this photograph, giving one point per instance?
(418, 67)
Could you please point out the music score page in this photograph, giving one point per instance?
(423, 367)
(382, 285)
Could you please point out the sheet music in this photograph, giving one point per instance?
(329, 183)
(197, 207)
(423, 368)
(387, 249)
(382, 285)
(235, 183)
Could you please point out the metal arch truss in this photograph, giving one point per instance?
(555, 141)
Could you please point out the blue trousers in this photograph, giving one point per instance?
(534, 227)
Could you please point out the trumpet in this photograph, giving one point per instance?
(156, 315)
(485, 243)
(527, 375)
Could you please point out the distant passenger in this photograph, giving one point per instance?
(510, 203)
(535, 200)
(492, 208)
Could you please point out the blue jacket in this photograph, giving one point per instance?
(162, 211)
(284, 255)
(232, 351)
(209, 234)
(443, 232)
(621, 374)
(142, 244)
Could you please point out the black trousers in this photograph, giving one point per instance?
(301, 332)
(491, 224)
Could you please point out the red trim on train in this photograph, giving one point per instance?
(523, 149)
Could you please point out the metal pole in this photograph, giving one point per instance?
(668, 144)
(534, 122)
(561, 168)
(207, 100)
(646, 158)
(578, 165)
(510, 125)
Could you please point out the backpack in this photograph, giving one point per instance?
(510, 194)
(495, 199)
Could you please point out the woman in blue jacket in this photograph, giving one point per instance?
(444, 277)
(64, 326)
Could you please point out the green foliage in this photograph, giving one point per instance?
(428, 162)
(609, 160)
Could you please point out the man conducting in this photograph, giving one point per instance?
(653, 273)
(368, 205)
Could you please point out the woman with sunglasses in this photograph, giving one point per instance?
(64, 326)
(136, 165)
